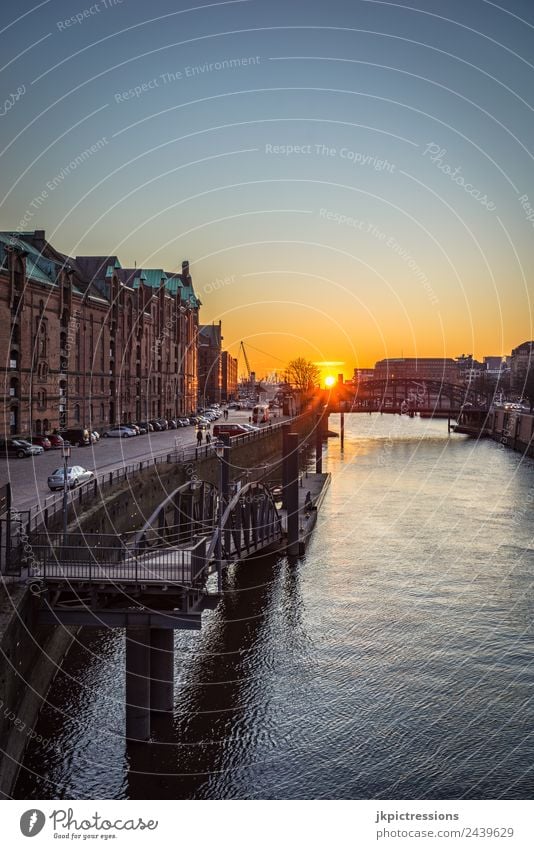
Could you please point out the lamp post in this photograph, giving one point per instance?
(65, 453)
(219, 450)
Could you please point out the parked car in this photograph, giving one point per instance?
(156, 425)
(229, 430)
(95, 436)
(43, 441)
(55, 440)
(173, 424)
(76, 436)
(19, 448)
(184, 422)
(146, 426)
(164, 423)
(119, 432)
(142, 429)
(134, 427)
(76, 475)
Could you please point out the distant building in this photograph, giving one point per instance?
(442, 369)
(229, 377)
(522, 360)
(210, 363)
(494, 363)
(361, 375)
(87, 342)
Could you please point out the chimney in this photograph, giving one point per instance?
(185, 268)
(39, 239)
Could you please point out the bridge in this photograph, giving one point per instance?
(157, 579)
(407, 396)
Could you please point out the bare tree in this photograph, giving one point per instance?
(303, 374)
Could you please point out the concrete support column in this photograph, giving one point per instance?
(319, 444)
(286, 429)
(161, 669)
(293, 493)
(138, 683)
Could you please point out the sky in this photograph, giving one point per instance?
(348, 180)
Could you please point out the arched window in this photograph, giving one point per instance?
(77, 413)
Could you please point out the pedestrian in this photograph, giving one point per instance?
(199, 437)
(208, 438)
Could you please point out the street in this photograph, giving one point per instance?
(28, 476)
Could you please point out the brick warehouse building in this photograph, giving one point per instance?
(87, 342)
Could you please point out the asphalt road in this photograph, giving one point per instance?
(28, 475)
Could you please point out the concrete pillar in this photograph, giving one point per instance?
(286, 429)
(293, 494)
(138, 683)
(161, 669)
(319, 444)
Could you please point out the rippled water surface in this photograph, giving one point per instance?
(394, 660)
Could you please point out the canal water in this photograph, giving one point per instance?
(394, 660)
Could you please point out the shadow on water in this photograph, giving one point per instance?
(220, 695)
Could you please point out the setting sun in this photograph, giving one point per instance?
(329, 381)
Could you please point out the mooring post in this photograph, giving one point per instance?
(161, 670)
(138, 683)
(342, 421)
(293, 493)
(319, 444)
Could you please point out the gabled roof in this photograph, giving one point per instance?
(38, 267)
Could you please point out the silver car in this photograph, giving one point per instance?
(120, 431)
(76, 475)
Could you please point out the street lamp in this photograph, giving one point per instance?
(65, 453)
(219, 450)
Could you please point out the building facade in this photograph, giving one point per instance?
(229, 377)
(210, 364)
(442, 369)
(521, 362)
(90, 343)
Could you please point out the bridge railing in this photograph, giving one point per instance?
(105, 557)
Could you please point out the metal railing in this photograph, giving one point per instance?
(98, 558)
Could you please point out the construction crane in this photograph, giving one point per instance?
(251, 376)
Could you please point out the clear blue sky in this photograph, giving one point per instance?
(349, 180)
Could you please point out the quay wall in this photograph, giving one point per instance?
(511, 428)
(30, 656)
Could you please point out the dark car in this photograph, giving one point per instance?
(19, 448)
(156, 425)
(146, 426)
(43, 441)
(76, 436)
